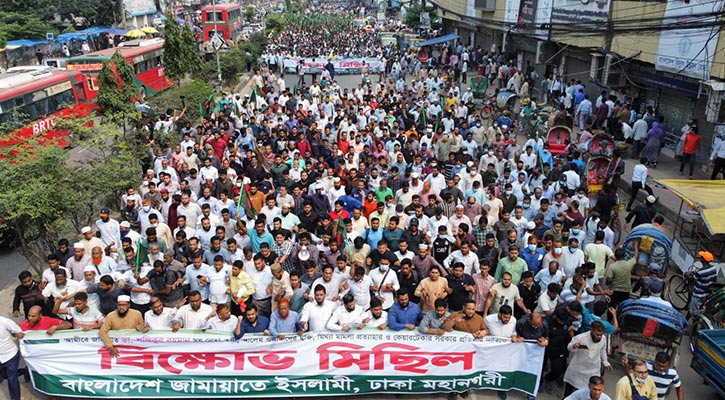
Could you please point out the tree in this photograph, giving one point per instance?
(15, 25)
(181, 55)
(249, 13)
(38, 194)
(275, 23)
(117, 90)
(412, 16)
(194, 93)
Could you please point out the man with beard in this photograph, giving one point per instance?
(107, 291)
(284, 321)
(347, 317)
(28, 292)
(315, 314)
(587, 354)
(122, 318)
(36, 321)
(433, 320)
(76, 263)
(376, 317)
(467, 321)
(160, 317)
(223, 321)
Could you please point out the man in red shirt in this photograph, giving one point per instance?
(38, 322)
(692, 140)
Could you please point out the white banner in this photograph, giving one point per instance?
(194, 364)
(688, 52)
(580, 12)
(343, 66)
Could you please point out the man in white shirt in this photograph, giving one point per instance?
(385, 283)
(359, 287)
(9, 355)
(60, 287)
(160, 317)
(109, 230)
(332, 283)
(348, 317)
(549, 299)
(193, 315)
(376, 317)
(465, 256)
(501, 324)
(262, 277)
(223, 321)
(315, 314)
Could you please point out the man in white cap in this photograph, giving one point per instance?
(416, 186)
(127, 232)
(336, 191)
(78, 262)
(89, 241)
(121, 318)
(643, 213)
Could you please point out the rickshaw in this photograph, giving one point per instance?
(505, 100)
(655, 247)
(557, 137)
(646, 328)
(600, 149)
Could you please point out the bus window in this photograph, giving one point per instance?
(92, 85)
(212, 16)
(80, 93)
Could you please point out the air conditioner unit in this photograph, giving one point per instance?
(485, 5)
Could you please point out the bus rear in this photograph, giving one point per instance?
(228, 18)
(144, 55)
(31, 103)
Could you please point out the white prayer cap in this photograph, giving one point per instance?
(123, 297)
(79, 245)
(89, 268)
(85, 229)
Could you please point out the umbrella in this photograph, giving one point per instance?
(135, 33)
(148, 29)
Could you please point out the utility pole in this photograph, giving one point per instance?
(218, 65)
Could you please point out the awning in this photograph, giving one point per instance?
(65, 37)
(25, 42)
(440, 39)
(704, 196)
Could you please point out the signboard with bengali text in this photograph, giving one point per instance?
(194, 364)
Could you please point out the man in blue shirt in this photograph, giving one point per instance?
(284, 321)
(253, 323)
(533, 255)
(404, 314)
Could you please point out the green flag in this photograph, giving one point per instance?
(423, 117)
(341, 235)
(245, 204)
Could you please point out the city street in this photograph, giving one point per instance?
(694, 389)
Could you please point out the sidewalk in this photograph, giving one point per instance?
(667, 203)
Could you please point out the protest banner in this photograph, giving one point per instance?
(343, 66)
(194, 364)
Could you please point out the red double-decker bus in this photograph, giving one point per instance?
(144, 55)
(228, 19)
(31, 102)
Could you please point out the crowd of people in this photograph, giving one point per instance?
(325, 35)
(388, 206)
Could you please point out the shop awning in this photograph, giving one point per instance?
(440, 39)
(703, 196)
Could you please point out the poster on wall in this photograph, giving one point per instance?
(534, 16)
(689, 52)
(579, 11)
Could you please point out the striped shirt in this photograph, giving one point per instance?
(663, 380)
(704, 276)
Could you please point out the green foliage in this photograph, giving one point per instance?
(412, 18)
(234, 61)
(37, 197)
(275, 23)
(69, 29)
(249, 13)
(96, 12)
(190, 50)
(194, 92)
(14, 25)
(117, 90)
(181, 55)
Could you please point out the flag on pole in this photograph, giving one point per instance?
(423, 116)
(341, 235)
(244, 203)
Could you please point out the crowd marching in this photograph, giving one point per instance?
(388, 206)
